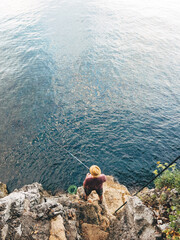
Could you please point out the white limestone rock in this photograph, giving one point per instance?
(135, 221)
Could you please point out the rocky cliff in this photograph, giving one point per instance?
(32, 213)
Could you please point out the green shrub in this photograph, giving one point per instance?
(163, 198)
(169, 178)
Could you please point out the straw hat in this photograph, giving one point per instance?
(95, 171)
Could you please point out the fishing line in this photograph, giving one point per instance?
(81, 137)
(70, 153)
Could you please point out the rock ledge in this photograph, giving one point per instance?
(32, 213)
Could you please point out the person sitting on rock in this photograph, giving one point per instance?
(94, 181)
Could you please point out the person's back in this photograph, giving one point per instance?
(94, 181)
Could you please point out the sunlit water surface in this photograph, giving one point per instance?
(101, 78)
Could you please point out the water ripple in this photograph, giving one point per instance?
(100, 78)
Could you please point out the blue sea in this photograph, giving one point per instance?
(100, 79)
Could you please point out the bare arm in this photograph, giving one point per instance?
(84, 183)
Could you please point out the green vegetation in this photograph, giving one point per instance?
(170, 182)
(165, 200)
(170, 178)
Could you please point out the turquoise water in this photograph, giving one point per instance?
(101, 78)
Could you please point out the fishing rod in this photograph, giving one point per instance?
(133, 194)
(149, 182)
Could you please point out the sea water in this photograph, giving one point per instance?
(100, 78)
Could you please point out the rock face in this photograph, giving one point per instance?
(25, 213)
(115, 194)
(57, 229)
(92, 232)
(32, 213)
(135, 221)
